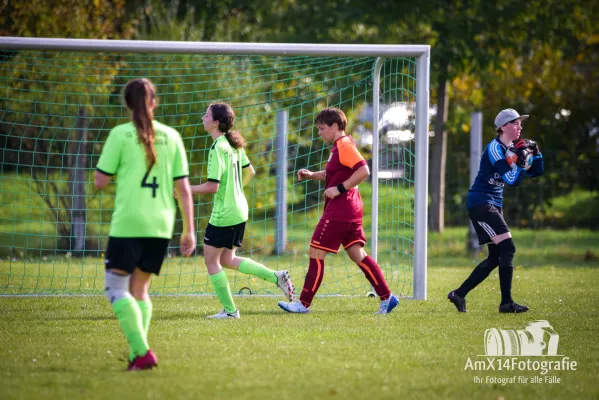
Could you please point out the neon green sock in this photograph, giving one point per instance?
(128, 313)
(223, 291)
(146, 316)
(251, 267)
(146, 313)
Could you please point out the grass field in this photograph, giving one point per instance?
(71, 346)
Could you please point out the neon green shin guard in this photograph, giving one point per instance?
(251, 267)
(129, 316)
(220, 282)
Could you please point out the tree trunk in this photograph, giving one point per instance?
(436, 214)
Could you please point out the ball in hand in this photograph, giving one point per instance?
(520, 157)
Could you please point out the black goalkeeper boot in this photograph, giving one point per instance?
(512, 307)
(458, 301)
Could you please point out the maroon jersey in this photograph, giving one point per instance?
(344, 160)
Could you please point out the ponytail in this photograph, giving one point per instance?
(235, 139)
(139, 96)
(225, 116)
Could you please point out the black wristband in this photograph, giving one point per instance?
(341, 188)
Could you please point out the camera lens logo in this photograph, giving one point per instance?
(537, 339)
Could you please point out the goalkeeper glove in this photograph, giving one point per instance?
(522, 160)
(532, 146)
(520, 148)
(521, 151)
(519, 144)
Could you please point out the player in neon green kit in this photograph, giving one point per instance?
(229, 170)
(148, 159)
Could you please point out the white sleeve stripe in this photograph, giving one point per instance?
(495, 152)
(511, 176)
(491, 153)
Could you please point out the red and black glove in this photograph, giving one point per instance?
(520, 148)
(519, 144)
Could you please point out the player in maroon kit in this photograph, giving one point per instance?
(341, 222)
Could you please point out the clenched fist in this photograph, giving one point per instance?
(303, 174)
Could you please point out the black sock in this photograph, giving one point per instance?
(481, 272)
(505, 282)
(506, 269)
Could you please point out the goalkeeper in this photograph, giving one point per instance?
(149, 159)
(229, 170)
(484, 203)
(341, 222)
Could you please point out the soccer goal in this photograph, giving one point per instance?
(59, 98)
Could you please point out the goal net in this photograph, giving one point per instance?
(57, 107)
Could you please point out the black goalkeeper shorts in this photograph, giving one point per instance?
(488, 222)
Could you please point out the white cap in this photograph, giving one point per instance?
(508, 115)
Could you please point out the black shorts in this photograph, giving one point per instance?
(224, 236)
(487, 221)
(146, 254)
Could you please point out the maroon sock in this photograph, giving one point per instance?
(373, 273)
(312, 282)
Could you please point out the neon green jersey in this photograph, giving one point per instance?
(144, 205)
(224, 166)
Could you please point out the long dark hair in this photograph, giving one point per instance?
(224, 114)
(139, 95)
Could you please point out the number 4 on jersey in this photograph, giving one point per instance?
(154, 185)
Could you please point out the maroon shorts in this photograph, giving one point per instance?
(328, 235)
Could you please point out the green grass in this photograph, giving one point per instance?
(573, 247)
(61, 274)
(70, 346)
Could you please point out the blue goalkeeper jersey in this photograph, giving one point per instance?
(494, 172)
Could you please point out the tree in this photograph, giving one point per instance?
(554, 77)
(45, 111)
(99, 19)
(467, 39)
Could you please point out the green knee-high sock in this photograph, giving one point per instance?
(146, 316)
(145, 306)
(223, 291)
(128, 313)
(251, 267)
